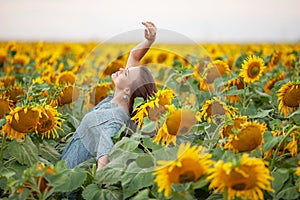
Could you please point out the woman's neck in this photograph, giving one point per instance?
(120, 101)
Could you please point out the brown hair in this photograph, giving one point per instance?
(144, 86)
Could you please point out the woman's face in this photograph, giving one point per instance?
(124, 77)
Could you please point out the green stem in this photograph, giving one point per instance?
(214, 134)
(280, 144)
(244, 96)
(2, 147)
(148, 151)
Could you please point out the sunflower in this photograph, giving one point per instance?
(214, 70)
(66, 77)
(298, 171)
(247, 138)
(270, 84)
(289, 61)
(191, 164)
(239, 83)
(229, 129)
(14, 93)
(275, 60)
(5, 105)
(113, 67)
(98, 93)
(21, 120)
(49, 122)
(38, 179)
(21, 59)
(213, 108)
(8, 81)
(179, 122)
(155, 106)
(3, 56)
(292, 146)
(68, 94)
(289, 98)
(246, 179)
(252, 69)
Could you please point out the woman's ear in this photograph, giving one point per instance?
(127, 91)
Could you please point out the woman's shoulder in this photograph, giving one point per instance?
(108, 112)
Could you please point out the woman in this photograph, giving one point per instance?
(93, 136)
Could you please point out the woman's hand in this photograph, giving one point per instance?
(150, 31)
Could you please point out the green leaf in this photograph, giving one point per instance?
(137, 102)
(48, 152)
(281, 175)
(261, 114)
(148, 126)
(295, 116)
(144, 161)
(200, 183)
(142, 195)
(126, 144)
(135, 178)
(93, 192)
(270, 140)
(182, 195)
(288, 193)
(233, 91)
(148, 142)
(109, 175)
(67, 180)
(25, 152)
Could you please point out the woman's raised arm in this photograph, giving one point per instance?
(138, 52)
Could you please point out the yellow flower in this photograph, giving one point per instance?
(297, 172)
(21, 59)
(67, 95)
(179, 122)
(214, 70)
(5, 105)
(247, 138)
(270, 84)
(245, 180)
(292, 146)
(113, 67)
(228, 130)
(239, 83)
(66, 77)
(252, 69)
(159, 101)
(49, 122)
(14, 93)
(191, 164)
(8, 81)
(214, 108)
(98, 93)
(288, 97)
(20, 121)
(275, 60)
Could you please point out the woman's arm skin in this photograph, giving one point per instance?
(102, 161)
(138, 52)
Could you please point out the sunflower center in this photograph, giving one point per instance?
(248, 139)
(215, 109)
(27, 121)
(253, 71)
(188, 176)
(292, 97)
(239, 186)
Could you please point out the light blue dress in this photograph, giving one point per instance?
(93, 136)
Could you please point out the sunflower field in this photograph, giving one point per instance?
(224, 124)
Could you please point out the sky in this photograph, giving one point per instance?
(176, 20)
